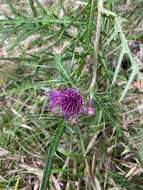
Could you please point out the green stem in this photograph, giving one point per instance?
(33, 8)
(96, 47)
(51, 153)
(101, 11)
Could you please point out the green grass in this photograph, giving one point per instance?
(70, 45)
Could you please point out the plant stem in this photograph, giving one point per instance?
(51, 153)
(96, 47)
(33, 8)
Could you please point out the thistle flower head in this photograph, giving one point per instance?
(69, 100)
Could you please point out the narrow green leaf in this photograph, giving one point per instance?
(33, 8)
(132, 76)
(63, 71)
(118, 66)
(51, 152)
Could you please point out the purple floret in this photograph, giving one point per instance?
(69, 100)
(55, 96)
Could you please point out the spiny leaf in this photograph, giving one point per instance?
(118, 66)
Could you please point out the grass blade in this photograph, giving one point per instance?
(51, 152)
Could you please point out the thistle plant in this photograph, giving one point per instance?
(69, 113)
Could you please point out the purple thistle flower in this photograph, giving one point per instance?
(69, 100)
